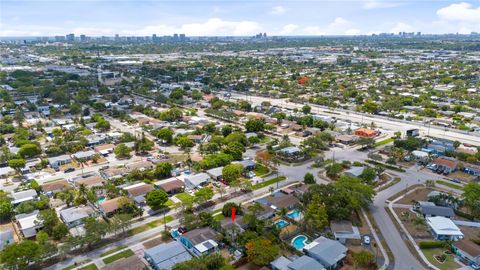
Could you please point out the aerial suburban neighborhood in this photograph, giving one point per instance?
(257, 152)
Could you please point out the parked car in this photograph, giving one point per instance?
(455, 180)
(69, 170)
(432, 166)
(182, 230)
(250, 174)
(366, 240)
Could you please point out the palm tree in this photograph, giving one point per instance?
(419, 223)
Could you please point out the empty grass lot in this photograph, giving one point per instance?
(185, 197)
(448, 264)
(150, 225)
(124, 254)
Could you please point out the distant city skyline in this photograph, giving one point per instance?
(236, 18)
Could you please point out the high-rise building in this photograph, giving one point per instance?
(117, 37)
(182, 37)
(70, 37)
(83, 38)
(59, 38)
(175, 36)
(154, 37)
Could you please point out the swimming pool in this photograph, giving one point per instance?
(295, 214)
(101, 199)
(281, 223)
(299, 242)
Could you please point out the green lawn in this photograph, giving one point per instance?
(150, 225)
(383, 142)
(449, 263)
(113, 250)
(261, 170)
(89, 267)
(185, 197)
(268, 182)
(451, 185)
(124, 254)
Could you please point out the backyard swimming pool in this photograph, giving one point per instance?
(281, 223)
(101, 199)
(295, 214)
(299, 242)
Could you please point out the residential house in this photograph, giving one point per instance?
(112, 173)
(23, 196)
(201, 241)
(138, 192)
(74, 216)
(300, 263)
(444, 229)
(346, 139)
(421, 156)
(108, 207)
(84, 155)
(6, 171)
(280, 201)
(233, 227)
(447, 164)
(53, 187)
(165, 256)
(247, 164)
(58, 161)
(467, 252)
(329, 253)
(140, 165)
(196, 180)
(29, 224)
(344, 230)
(104, 149)
(216, 173)
(6, 237)
(171, 186)
(429, 209)
(355, 171)
(472, 169)
(196, 138)
(130, 263)
(90, 181)
(290, 151)
(365, 133)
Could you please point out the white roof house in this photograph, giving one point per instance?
(444, 228)
(29, 223)
(196, 180)
(5, 171)
(23, 196)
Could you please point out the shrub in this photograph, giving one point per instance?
(431, 244)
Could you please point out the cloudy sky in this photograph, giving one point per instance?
(235, 17)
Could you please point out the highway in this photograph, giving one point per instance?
(380, 121)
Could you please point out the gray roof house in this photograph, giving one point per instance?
(196, 180)
(59, 160)
(344, 230)
(216, 173)
(329, 253)
(84, 154)
(246, 163)
(429, 209)
(305, 263)
(29, 224)
(165, 256)
(74, 216)
(24, 196)
(355, 171)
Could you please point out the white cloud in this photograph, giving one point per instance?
(211, 27)
(339, 26)
(375, 4)
(288, 29)
(278, 10)
(402, 27)
(461, 12)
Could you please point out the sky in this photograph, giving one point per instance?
(236, 17)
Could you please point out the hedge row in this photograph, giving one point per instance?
(431, 244)
(464, 215)
(391, 167)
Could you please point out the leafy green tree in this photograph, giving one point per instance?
(184, 143)
(236, 137)
(316, 217)
(6, 209)
(34, 185)
(203, 195)
(235, 149)
(368, 175)
(17, 164)
(471, 194)
(261, 251)
(165, 134)
(227, 209)
(364, 259)
(163, 170)
(18, 256)
(143, 145)
(232, 172)
(306, 109)
(156, 199)
(309, 178)
(102, 124)
(227, 130)
(122, 151)
(29, 150)
(254, 125)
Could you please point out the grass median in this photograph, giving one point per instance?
(124, 254)
(268, 182)
(450, 185)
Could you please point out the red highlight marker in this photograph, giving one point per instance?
(233, 213)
